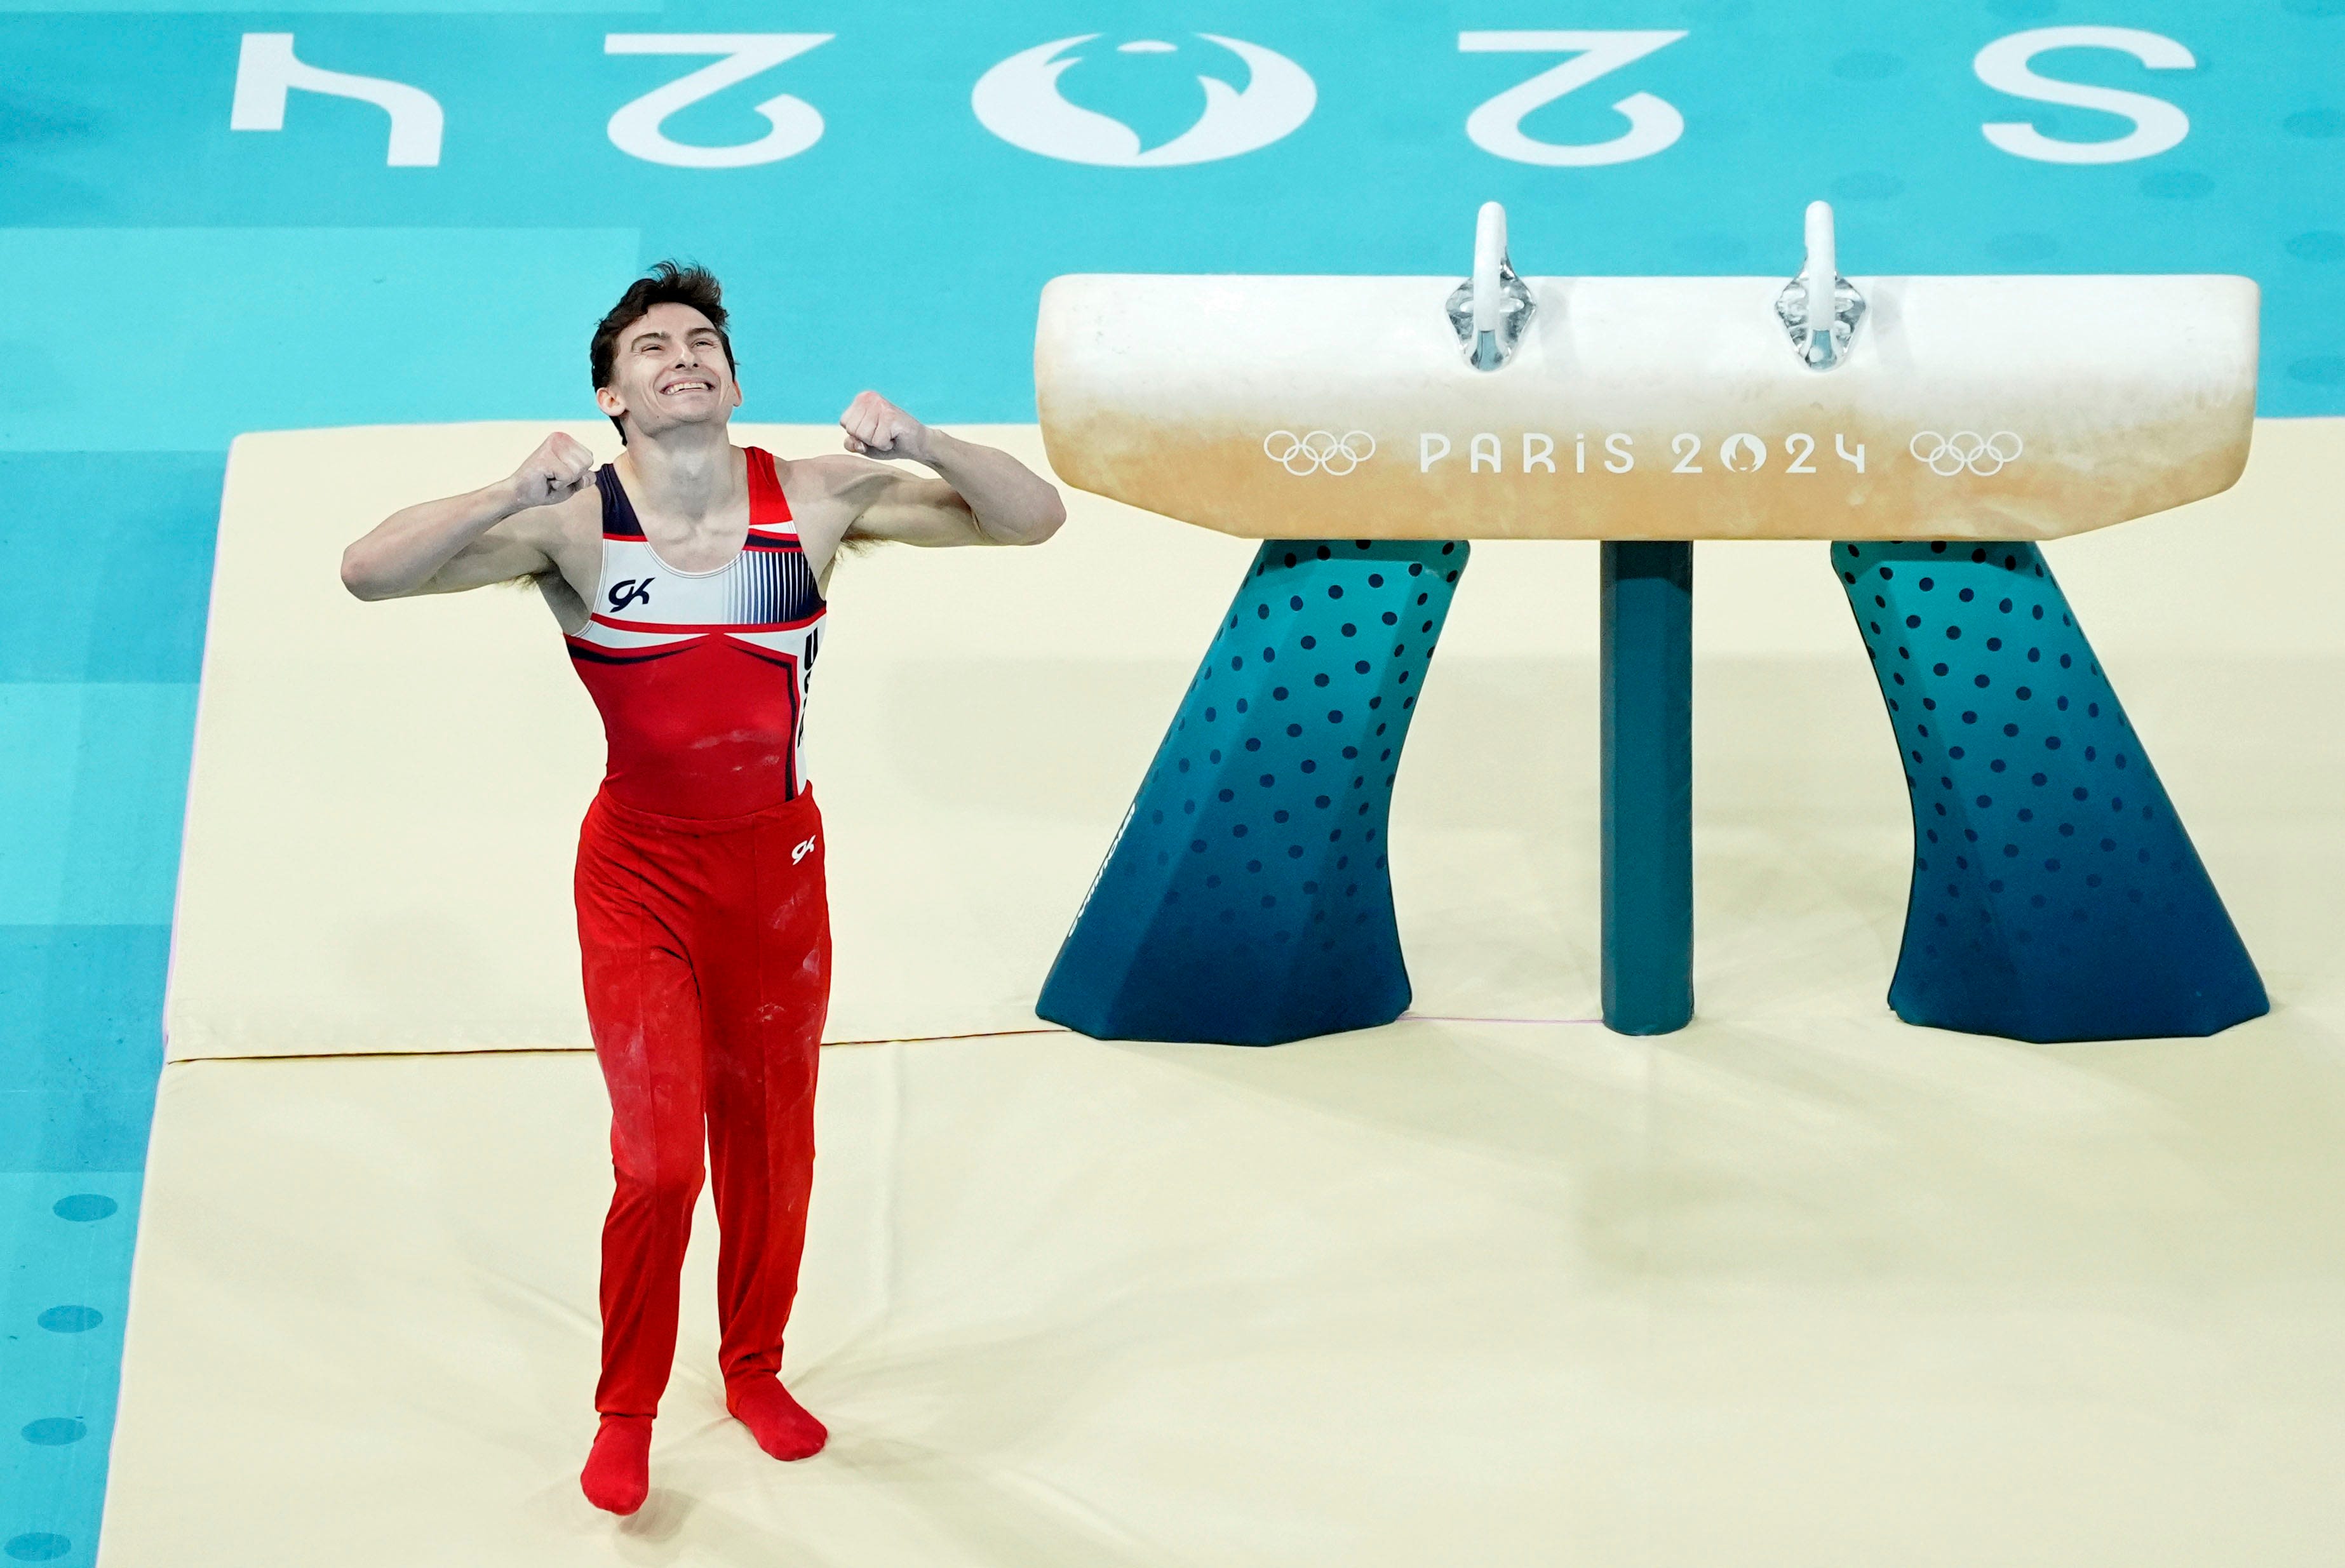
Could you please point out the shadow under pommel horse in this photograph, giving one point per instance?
(1933, 429)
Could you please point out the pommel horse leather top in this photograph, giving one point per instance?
(1986, 407)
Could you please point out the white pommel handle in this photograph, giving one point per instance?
(1821, 274)
(1490, 250)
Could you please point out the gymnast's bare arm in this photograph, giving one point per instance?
(981, 495)
(543, 521)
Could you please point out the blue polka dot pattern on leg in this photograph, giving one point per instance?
(37, 1547)
(1246, 899)
(70, 1320)
(2055, 896)
(54, 1432)
(85, 1207)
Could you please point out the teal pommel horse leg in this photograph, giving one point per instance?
(1648, 767)
(1247, 897)
(2056, 894)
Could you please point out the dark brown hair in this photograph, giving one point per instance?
(667, 283)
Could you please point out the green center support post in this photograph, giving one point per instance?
(1648, 768)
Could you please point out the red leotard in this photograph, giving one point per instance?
(701, 675)
(704, 930)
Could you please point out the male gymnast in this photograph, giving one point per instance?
(687, 578)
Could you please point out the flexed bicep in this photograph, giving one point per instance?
(503, 555)
(912, 509)
(492, 534)
(981, 496)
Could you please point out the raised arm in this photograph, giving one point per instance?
(492, 534)
(981, 495)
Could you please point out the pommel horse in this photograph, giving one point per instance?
(1366, 428)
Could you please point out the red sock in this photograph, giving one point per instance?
(779, 1423)
(618, 1473)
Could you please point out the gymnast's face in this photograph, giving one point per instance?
(670, 368)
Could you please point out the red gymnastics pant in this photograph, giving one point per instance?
(706, 949)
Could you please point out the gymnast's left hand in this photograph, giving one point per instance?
(878, 428)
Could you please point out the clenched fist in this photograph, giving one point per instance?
(558, 470)
(878, 428)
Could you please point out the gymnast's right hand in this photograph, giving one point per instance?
(558, 470)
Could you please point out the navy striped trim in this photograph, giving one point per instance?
(772, 588)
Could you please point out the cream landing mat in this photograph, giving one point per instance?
(1799, 1285)
(1769, 1296)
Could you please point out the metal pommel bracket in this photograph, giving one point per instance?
(1490, 310)
(1822, 339)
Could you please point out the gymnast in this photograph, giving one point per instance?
(688, 578)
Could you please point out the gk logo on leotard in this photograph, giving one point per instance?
(629, 590)
(799, 852)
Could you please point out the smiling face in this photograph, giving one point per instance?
(669, 368)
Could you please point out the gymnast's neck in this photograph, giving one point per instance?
(686, 472)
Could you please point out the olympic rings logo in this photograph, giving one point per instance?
(1947, 456)
(1318, 452)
